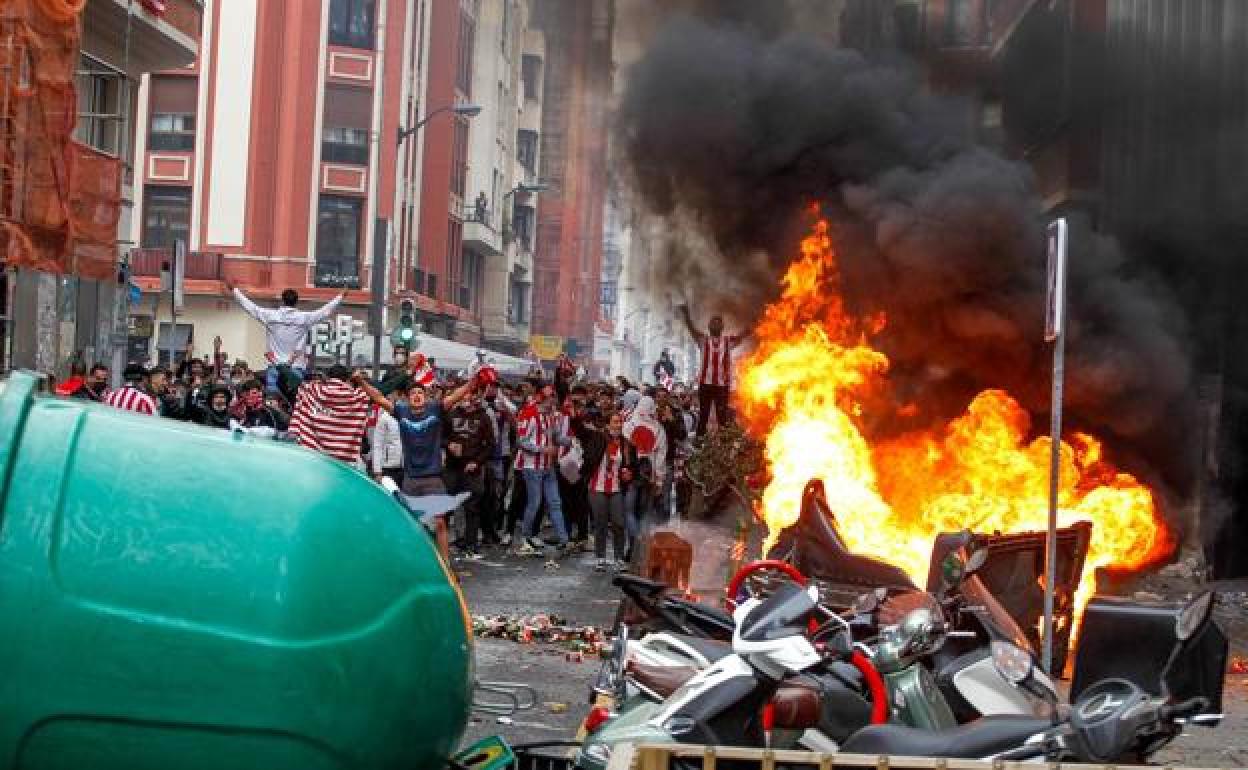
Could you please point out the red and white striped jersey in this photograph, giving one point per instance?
(717, 360)
(131, 399)
(534, 429)
(606, 480)
(330, 417)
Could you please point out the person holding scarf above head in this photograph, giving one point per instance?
(644, 431)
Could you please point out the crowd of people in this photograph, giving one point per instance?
(599, 462)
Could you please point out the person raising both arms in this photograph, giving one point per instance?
(715, 372)
(286, 328)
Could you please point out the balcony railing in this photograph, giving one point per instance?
(200, 265)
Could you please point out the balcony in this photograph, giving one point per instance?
(200, 265)
(480, 233)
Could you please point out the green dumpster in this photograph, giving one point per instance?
(179, 598)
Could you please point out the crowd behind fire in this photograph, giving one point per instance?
(597, 461)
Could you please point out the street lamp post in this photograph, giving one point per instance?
(378, 305)
(467, 110)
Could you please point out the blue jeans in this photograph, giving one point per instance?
(538, 484)
(272, 373)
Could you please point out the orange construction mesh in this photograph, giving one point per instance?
(59, 201)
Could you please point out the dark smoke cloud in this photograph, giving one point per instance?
(731, 127)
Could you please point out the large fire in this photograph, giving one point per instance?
(810, 382)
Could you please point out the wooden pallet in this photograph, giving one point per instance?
(628, 757)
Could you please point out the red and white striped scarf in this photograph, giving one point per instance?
(606, 480)
(330, 417)
(130, 399)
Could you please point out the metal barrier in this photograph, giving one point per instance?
(628, 757)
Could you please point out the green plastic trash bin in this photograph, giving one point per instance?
(177, 598)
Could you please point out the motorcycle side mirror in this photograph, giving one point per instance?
(977, 560)
(1193, 616)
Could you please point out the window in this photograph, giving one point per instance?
(518, 300)
(522, 226)
(960, 22)
(173, 100)
(531, 72)
(463, 69)
(172, 131)
(351, 23)
(100, 107)
(346, 119)
(526, 150)
(344, 145)
(338, 241)
(459, 157)
(166, 216)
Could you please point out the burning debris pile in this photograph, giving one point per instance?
(904, 360)
(810, 387)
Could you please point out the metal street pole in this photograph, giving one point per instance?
(1055, 332)
(377, 309)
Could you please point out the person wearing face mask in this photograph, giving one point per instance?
(612, 464)
(216, 413)
(538, 440)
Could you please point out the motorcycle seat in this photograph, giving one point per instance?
(981, 738)
(797, 704)
(660, 680)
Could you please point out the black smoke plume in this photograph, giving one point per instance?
(732, 124)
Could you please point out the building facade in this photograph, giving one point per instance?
(576, 91)
(309, 141)
(503, 185)
(49, 319)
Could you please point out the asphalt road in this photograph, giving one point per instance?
(505, 584)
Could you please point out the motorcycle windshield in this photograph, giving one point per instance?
(783, 614)
(997, 621)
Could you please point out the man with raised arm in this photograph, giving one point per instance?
(715, 372)
(421, 423)
(286, 328)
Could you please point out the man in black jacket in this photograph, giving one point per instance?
(469, 447)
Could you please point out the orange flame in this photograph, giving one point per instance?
(806, 387)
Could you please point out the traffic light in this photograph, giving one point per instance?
(404, 335)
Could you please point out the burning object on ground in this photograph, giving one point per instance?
(817, 391)
(1013, 571)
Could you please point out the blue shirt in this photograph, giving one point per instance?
(422, 439)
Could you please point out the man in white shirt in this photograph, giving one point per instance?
(286, 328)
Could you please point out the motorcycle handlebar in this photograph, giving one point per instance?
(1187, 708)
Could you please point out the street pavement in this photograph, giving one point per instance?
(506, 584)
